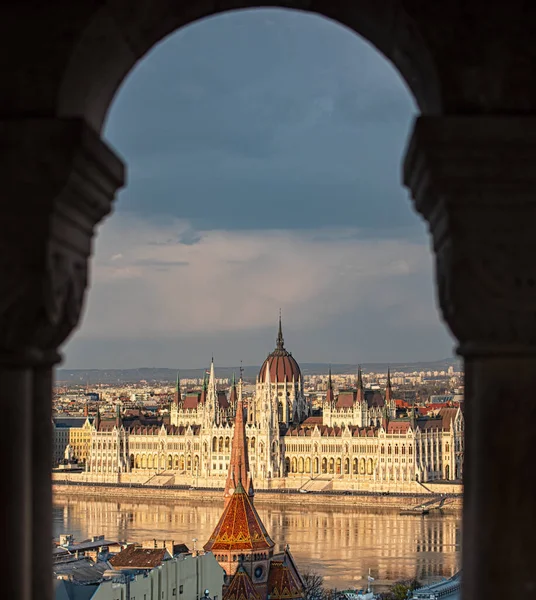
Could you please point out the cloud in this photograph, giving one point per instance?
(232, 281)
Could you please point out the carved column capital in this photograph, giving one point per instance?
(59, 180)
(474, 181)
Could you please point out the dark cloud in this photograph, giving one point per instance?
(266, 119)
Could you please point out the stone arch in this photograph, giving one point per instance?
(214, 444)
(331, 466)
(315, 465)
(287, 465)
(220, 445)
(362, 466)
(98, 62)
(370, 466)
(294, 464)
(227, 444)
(354, 467)
(301, 464)
(347, 466)
(324, 466)
(181, 462)
(307, 465)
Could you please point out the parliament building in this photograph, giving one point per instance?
(357, 443)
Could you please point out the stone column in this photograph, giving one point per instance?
(474, 181)
(59, 180)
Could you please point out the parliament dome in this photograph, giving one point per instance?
(280, 363)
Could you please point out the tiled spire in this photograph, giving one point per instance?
(239, 464)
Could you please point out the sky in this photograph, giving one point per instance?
(264, 153)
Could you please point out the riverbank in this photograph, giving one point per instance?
(272, 497)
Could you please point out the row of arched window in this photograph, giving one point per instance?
(332, 466)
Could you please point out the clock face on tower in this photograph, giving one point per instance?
(231, 491)
(258, 572)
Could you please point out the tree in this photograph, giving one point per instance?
(314, 585)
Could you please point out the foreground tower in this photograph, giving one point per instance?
(240, 541)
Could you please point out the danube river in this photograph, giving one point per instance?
(340, 543)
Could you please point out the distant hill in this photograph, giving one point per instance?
(153, 374)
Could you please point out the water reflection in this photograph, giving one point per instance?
(341, 543)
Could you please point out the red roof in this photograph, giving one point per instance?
(239, 527)
(241, 587)
(346, 399)
(134, 557)
(282, 583)
(280, 363)
(191, 401)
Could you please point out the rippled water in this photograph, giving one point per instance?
(340, 543)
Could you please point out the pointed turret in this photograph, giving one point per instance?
(360, 389)
(388, 389)
(177, 397)
(233, 397)
(86, 410)
(280, 342)
(203, 398)
(330, 396)
(239, 464)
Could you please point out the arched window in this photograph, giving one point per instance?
(300, 465)
(332, 466)
(315, 465)
(362, 466)
(214, 444)
(176, 462)
(410, 449)
(287, 465)
(220, 445)
(227, 444)
(403, 449)
(447, 448)
(369, 466)
(253, 444)
(170, 462)
(389, 449)
(324, 465)
(347, 466)
(354, 467)
(150, 461)
(383, 449)
(181, 463)
(294, 465)
(396, 448)
(307, 465)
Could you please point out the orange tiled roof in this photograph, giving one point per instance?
(134, 557)
(241, 587)
(239, 527)
(281, 582)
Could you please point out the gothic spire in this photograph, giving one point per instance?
(388, 389)
(239, 464)
(280, 344)
(330, 398)
(360, 389)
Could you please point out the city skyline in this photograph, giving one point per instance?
(264, 150)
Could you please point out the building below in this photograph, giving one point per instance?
(449, 589)
(152, 571)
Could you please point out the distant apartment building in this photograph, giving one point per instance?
(74, 432)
